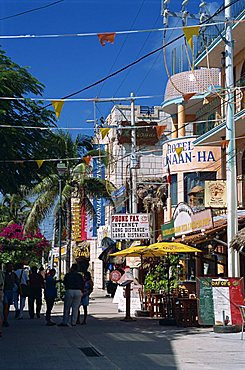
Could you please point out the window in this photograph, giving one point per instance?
(174, 190)
(196, 179)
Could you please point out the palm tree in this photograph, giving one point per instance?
(14, 208)
(78, 180)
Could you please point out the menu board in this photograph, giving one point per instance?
(218, 300)
(205, 301)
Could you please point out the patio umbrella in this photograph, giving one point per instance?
(171, 247)
(139, 251)
(167, 248)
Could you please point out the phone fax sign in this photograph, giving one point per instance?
(130, 226)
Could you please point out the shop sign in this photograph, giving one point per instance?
(144, 135)
(185, 221)
(215, 194)
(219, 300)
(82, 251)
(115, 276)
(190, 157)
(129, 226)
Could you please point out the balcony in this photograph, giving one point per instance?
(197, 81)
(213, 32)
(210, 37)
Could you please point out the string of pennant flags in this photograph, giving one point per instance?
(87, 159)
(109, 37)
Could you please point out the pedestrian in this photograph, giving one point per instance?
(10, 279)
(88, 288)
(23, 290)
(73, 282)
(36, 286)
(1, 299)
(50, 293)
(42, 272)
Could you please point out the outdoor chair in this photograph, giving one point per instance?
(242, 310)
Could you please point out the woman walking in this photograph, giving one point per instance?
(88, 288)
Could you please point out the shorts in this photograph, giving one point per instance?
(8, 297)
(85, 300)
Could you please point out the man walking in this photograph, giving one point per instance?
(10, 279)
(50, 293)
(36, 286)
(74, 286)
(23, 278)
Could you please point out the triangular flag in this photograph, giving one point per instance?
(104, 132)
(58, 105)
(179, 150)
(224, 143)
(188, 96)
(169, 181)
(205, 101)
(87, 159)
(160, 130)
(106, 37)
(39, 162)
(189, 33)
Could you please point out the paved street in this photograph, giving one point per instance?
(140, 344)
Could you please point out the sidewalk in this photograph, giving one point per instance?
(114, 344)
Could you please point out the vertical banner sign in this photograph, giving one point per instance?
(98, 204)
(84, 223)
(219, 300)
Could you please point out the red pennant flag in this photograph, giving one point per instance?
(188, 96)
(169, 181)
(224, 143)
(106, 37)
(160, 130)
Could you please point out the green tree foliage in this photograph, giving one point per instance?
(162, 274)
(19, 144)
(77, 180)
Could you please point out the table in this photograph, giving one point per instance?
(185, 311)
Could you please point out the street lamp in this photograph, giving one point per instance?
(61, 169)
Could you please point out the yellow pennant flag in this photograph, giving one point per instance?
(179, 150)
(39, 162)
(58, 105)
(189, 32)
(104, 132)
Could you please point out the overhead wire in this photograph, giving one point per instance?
(122, 45)
(31, 10)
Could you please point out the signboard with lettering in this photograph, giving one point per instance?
(185, 221)
(130, 226)
(190, 158)
(219, 300)
(215, 194)
(145, 135)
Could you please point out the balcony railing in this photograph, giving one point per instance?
(213, 32)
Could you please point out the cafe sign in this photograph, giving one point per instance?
(185, 221)
(215, 194)
(130, 226)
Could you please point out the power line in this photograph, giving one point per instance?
(31, 10)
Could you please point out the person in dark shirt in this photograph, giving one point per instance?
(74, 285)
(50, 293)
(36, 286)
(10, 279)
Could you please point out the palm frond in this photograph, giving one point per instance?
(98, 188)
(40, 209)
(46, 184)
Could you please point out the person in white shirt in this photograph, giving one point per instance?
(19, 298)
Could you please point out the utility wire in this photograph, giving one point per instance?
(31, 10)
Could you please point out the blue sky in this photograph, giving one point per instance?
(65, 65)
